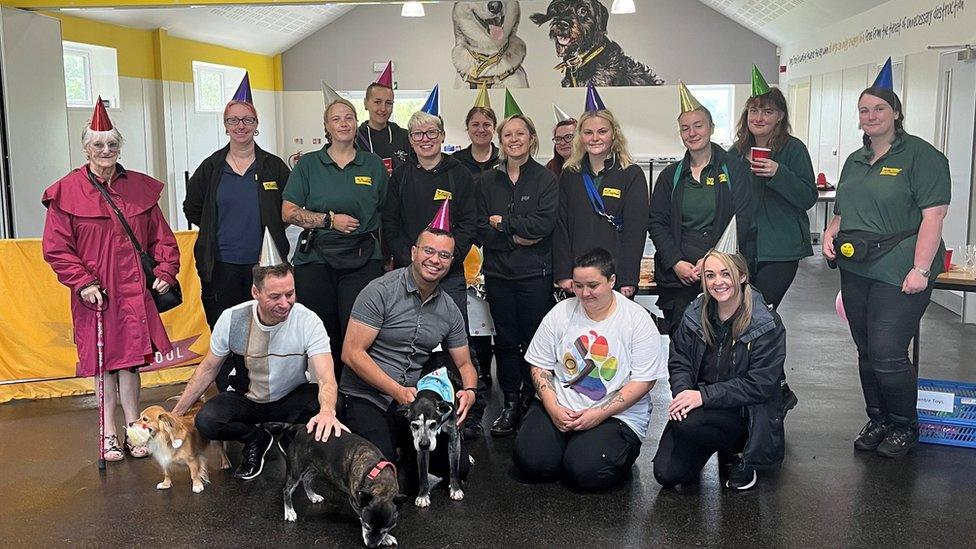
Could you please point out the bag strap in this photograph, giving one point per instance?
(677, 175)
(118, 213)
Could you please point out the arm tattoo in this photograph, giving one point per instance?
(306, 219)
(544, 380)
(615, 399)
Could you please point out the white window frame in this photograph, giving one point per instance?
(358, 97)
(724, 135)
(86, 55)
(200, 69)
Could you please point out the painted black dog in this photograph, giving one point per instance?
(579, 30)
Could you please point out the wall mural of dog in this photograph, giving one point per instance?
(578, 28)
(486, 48)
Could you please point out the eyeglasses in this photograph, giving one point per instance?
(429, 252)
(429, 134)
(564, 139)
(112, 146)
(247, 120)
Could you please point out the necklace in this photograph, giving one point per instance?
(236, 166)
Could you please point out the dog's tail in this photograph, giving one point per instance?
(284, 431)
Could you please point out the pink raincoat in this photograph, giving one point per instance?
(84, 242)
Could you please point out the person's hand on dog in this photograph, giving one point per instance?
(562, 417)
(685, 402)
(465, 399)
(325, 424)
(405, 395)
(588, 419)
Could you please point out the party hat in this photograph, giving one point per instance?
(482, 100)
(511, 107)
(442, 219)
(560, 114)
(688, 101)
(100, 121)
(729, 243)
(386, 78)
(433, 104)
(243, 92)
(759, 85)
(269, 252)
(593, 100)
(884, 79)
(329, 93)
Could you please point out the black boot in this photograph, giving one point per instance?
(789, 397)
(256, 446)
(508, 420)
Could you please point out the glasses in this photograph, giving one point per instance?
(564, 139)
(247, 120)
(430, 252)
(112, 146)
(429, 134)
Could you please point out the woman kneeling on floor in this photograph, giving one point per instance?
(594, 359)
(726, 366)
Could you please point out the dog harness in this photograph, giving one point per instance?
(572, 65)
(438, 382)
(485, 62)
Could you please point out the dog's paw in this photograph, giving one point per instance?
(224, 465)
(457, 494)
(164, 485)
(315, 498)
(197, 488)
(388, 541)
(291, 515)
(422, 501)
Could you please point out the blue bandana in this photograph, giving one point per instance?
(438, 382)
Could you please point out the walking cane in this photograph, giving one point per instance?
(100, 374)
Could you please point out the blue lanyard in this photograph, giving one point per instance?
(597, 202)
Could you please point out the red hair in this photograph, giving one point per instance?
(233, 102)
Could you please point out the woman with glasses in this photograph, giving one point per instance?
(562, 145)
(233, 196)
(615, 217)
(516, 217)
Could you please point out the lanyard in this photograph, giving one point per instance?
(597, 202)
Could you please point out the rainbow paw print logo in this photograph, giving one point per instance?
(589, 365)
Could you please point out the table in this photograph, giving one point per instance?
(957, 279)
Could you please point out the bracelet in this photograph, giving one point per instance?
(329, 218)
(472, 389)
(921, 271)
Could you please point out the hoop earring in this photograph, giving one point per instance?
(226, 132)
(256, 133)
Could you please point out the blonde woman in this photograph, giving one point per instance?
(602, 203)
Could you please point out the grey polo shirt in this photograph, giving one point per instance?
(408, 330)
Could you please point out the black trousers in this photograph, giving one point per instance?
(686, 445)
(457, 288)
(674, 301)
(330, 293)
(389, 431)
(229, 285)
(233, 416)
(593, 460)
(773, 278)
(517, 308)
(883, 321)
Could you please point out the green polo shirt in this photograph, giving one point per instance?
(888, 197)
(359, 189)
(697, 202)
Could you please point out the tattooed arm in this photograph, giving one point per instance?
(296, 215)
(545, 388)
(614, 403)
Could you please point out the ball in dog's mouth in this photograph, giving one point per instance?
(138, 435)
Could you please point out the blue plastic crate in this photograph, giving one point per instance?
(951, 434)
(964, 402)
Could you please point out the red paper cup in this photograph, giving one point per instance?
(760, 152)
(948, 259)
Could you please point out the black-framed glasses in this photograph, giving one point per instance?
(429, 252)
(429, 134)
(247, 120)
(564, 139)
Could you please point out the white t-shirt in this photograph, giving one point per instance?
(277, 356)
(621, 348)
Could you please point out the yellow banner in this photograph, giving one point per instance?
(36, 336)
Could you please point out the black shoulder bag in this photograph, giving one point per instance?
(164, 302)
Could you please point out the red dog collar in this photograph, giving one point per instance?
(378, 468)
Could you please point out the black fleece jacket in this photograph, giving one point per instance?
(528, 210)
(477, 169)
(398, 150)
(413, 198)
(200, 204)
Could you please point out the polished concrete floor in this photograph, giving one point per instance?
(825, 495)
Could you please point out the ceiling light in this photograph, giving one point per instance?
(623, 6)
(412, 9)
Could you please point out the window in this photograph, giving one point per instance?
(214, 85)
(90, 71)
(406, 102)
(720, 101)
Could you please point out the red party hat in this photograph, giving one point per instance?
(442, 219)
(100, 121)
(386, 78)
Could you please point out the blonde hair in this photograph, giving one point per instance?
(742, 317)
(619, 146)
(333, 103)
(533, 147)
(420, 118)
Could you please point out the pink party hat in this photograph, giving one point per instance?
(386, 78)
(442, 219)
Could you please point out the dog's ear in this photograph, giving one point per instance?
(399, 500)
(540, 18)
(445, 409)
(172, 427)
(403, 410)
(601, 15)
(363, 498)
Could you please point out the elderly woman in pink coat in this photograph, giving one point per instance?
(91, 254)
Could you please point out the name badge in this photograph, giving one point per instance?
(364, 180)
(722, 178)
(710, 181)
(612, 193)
(270, 185)
(890, 171)
(441, 194)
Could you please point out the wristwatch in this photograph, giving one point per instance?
(327, 222)
(921, 271)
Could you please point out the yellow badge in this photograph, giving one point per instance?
(612, 193)
(441, 194)
(722, 178)
(710, 181)
(364, 180)
(890, 171)
(847, 249)
(270, 185)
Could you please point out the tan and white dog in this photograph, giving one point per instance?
(486, 48)
(175, 440)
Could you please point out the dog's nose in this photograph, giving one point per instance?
(495, 7)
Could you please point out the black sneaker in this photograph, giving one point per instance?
(252, 462)
(871, 436)
(899, 440)
(742, 477)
